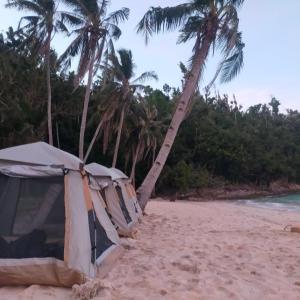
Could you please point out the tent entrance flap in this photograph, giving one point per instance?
(123, 205)
(32, 217)
(99, 239)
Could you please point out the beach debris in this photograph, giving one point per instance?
(128, 243)
(92, 289)
(292, 228)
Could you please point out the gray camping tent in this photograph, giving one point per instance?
(128, 191)
(118, 207)
(53, 229)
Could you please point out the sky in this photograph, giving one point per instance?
(271, 65)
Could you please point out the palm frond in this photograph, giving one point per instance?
(79, 6)
(193, 25)
(88, 48)
(71, 19)
(159, 19)
(146, 76)
(103, 7)
(118, 16)
(236, 3)
(61, 26)
(72, 50)
(114, 31)
(232, 65)
(25, 5)
(126, 63)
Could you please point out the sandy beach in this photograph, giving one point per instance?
(212, 250)
(209, 250)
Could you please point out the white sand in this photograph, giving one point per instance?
(214, 250)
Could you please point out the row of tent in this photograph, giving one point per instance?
(60, 220)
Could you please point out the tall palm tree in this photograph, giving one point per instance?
(120, 73)
(93, 29)
(122, 69)
(210, 24)
(39, 30)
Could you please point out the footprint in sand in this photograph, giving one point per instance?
(194, 269)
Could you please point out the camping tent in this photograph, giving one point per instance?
(124, 183)
(53, 229)
(118, 207)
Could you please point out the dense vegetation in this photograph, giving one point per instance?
(218, 141)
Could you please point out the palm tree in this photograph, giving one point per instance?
(210, 24)
(39, 30)
(147, 134)
(120, 72)
(122, 69)
(93, 28)
(106, 101)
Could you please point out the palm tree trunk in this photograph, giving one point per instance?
(132, 174)
(49, 95)
(86, 105)
(208, 87)
(93, 141)
(144, 191)
(57, 136)
(118, 137)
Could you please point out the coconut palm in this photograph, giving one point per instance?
(122, 69)
(39, 29)
(119, 74)
(93, 29)
(210, 24)
(106, 102)
(146, 134)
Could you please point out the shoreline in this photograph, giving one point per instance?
(235, 192)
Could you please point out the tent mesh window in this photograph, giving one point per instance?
(99, 239)
(103, 195)
(123, 205)
(32, 217)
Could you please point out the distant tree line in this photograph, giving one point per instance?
(218, 142)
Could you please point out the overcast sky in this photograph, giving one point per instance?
(271, 31)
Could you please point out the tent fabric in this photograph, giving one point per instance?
(128, 190)
(42, 271)
(124, 182)
(117, 174)
(114, 209)
(98, 170)
(48, 183)
(131, 207)
(39, 153)
(30, 171)
(121, 213)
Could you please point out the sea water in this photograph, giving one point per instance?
(286, 202)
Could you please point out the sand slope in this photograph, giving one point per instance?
(213, 250)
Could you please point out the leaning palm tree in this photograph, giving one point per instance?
(93, 29)
(39, 30)
(210, 24)
(122, 70)
(119, 73)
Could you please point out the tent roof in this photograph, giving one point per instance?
(118, 174)
(39, 153)
(98, 170)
